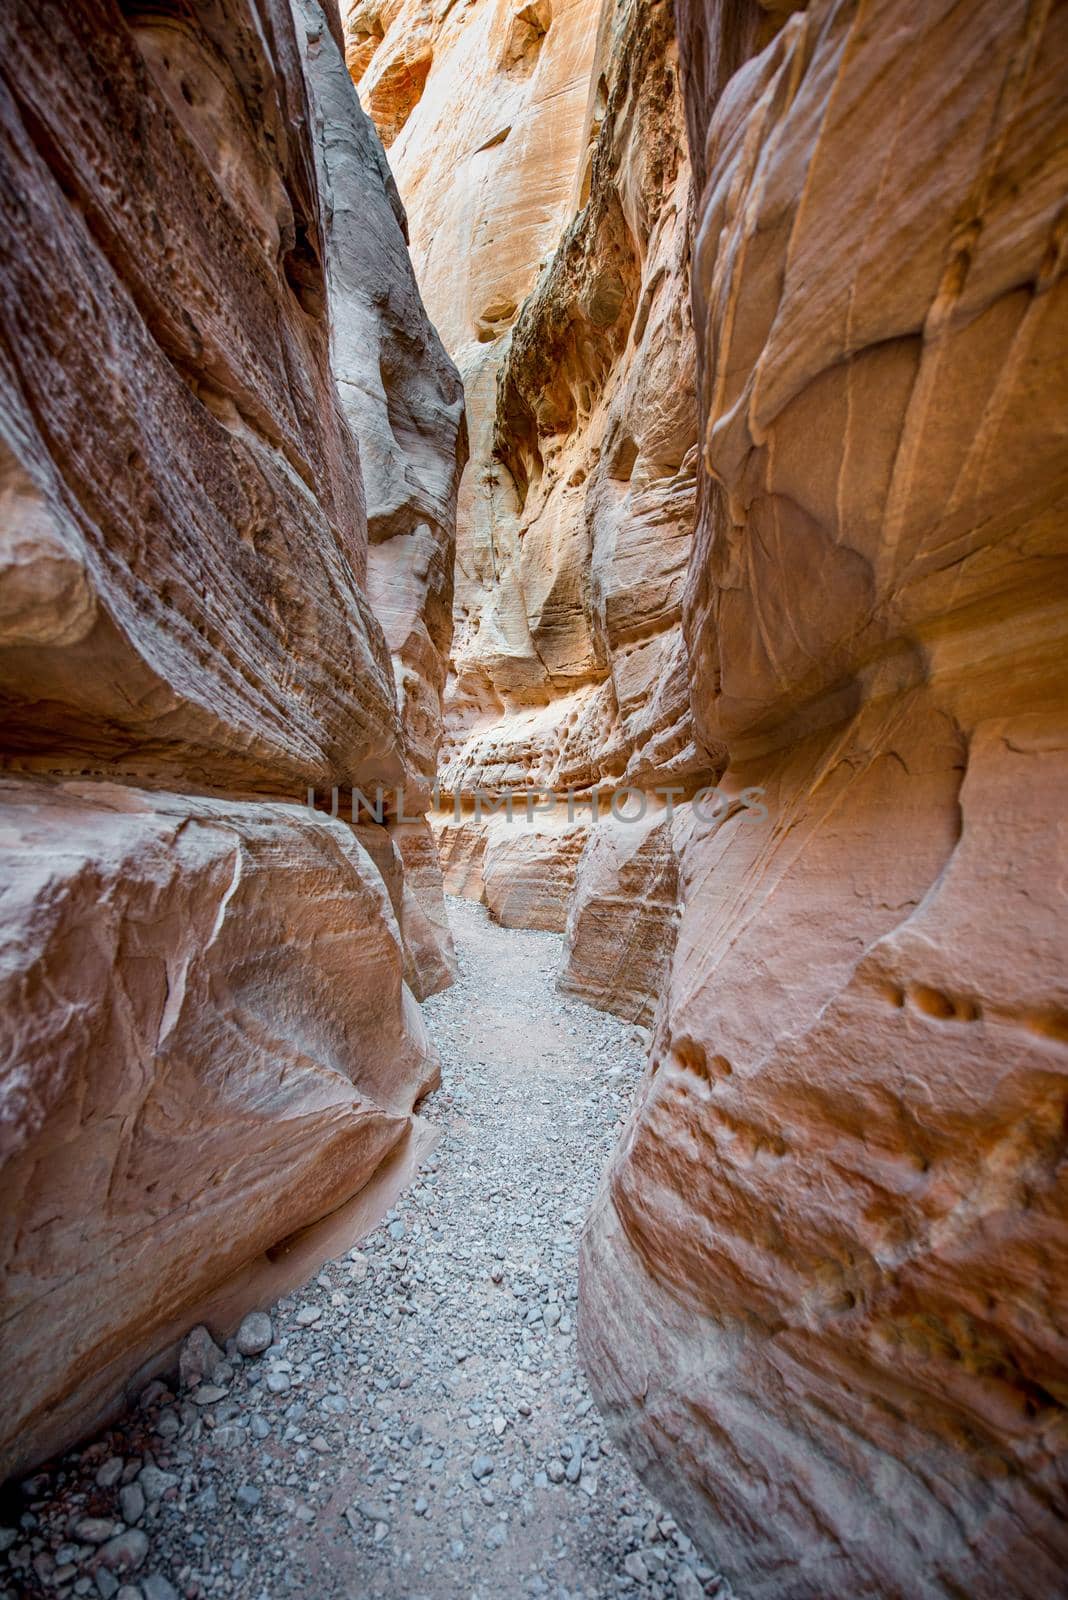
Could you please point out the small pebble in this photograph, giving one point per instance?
(132, 1502)
(255, 1334)
(109, 1474)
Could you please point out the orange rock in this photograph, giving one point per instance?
(622, 915)
(576, 513)
(528, 872)
(209, 1046)
(401, 394)
(182, 591)
(823, 1291)
(425, 923)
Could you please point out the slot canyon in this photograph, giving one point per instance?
(534, 666)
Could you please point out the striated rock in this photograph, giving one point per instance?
(622, 916)
(576, 513)
(823, 1288)
(487, 118)
(400, 392)
(569, 658)
(426, 923)
(461, 847)
(528, 871)
(211, 1053)
(488, 153)
(429, 957)
(484, 110)
(182, 573)
(404, 400)
(234, 1056)
(597, 424)
(522, 869)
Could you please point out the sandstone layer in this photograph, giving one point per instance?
(401, 394)
(622, 914)
(824, 1285)
(209, 1040)
(577, 511)
(484, 112)
(209, 1044)
(185, 557)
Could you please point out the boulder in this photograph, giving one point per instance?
(623, 914)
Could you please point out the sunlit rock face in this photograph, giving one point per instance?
(488, 157)
(824, 1286)
(544, 169)
(209, 1042)
(596, 422)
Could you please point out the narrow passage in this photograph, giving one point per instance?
(419, 1426)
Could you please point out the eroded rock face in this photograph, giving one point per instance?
(521, 866)
(623, 913)
(528, 872)
(461, 851)
(426, 922)
(210, 1044)
(823, 1288)
(597, 425)
(407, 858)
(185, 538)
(576, 514)
(484, 110)
(400, 392)
(488, 156)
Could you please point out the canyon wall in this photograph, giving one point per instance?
(824, 1295)
(541, 154)
(209, 1040)
(577, 510)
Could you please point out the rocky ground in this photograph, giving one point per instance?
(412, 1423)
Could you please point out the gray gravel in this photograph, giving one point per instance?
(412, 1422)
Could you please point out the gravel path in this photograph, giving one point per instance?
(418, 1427)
